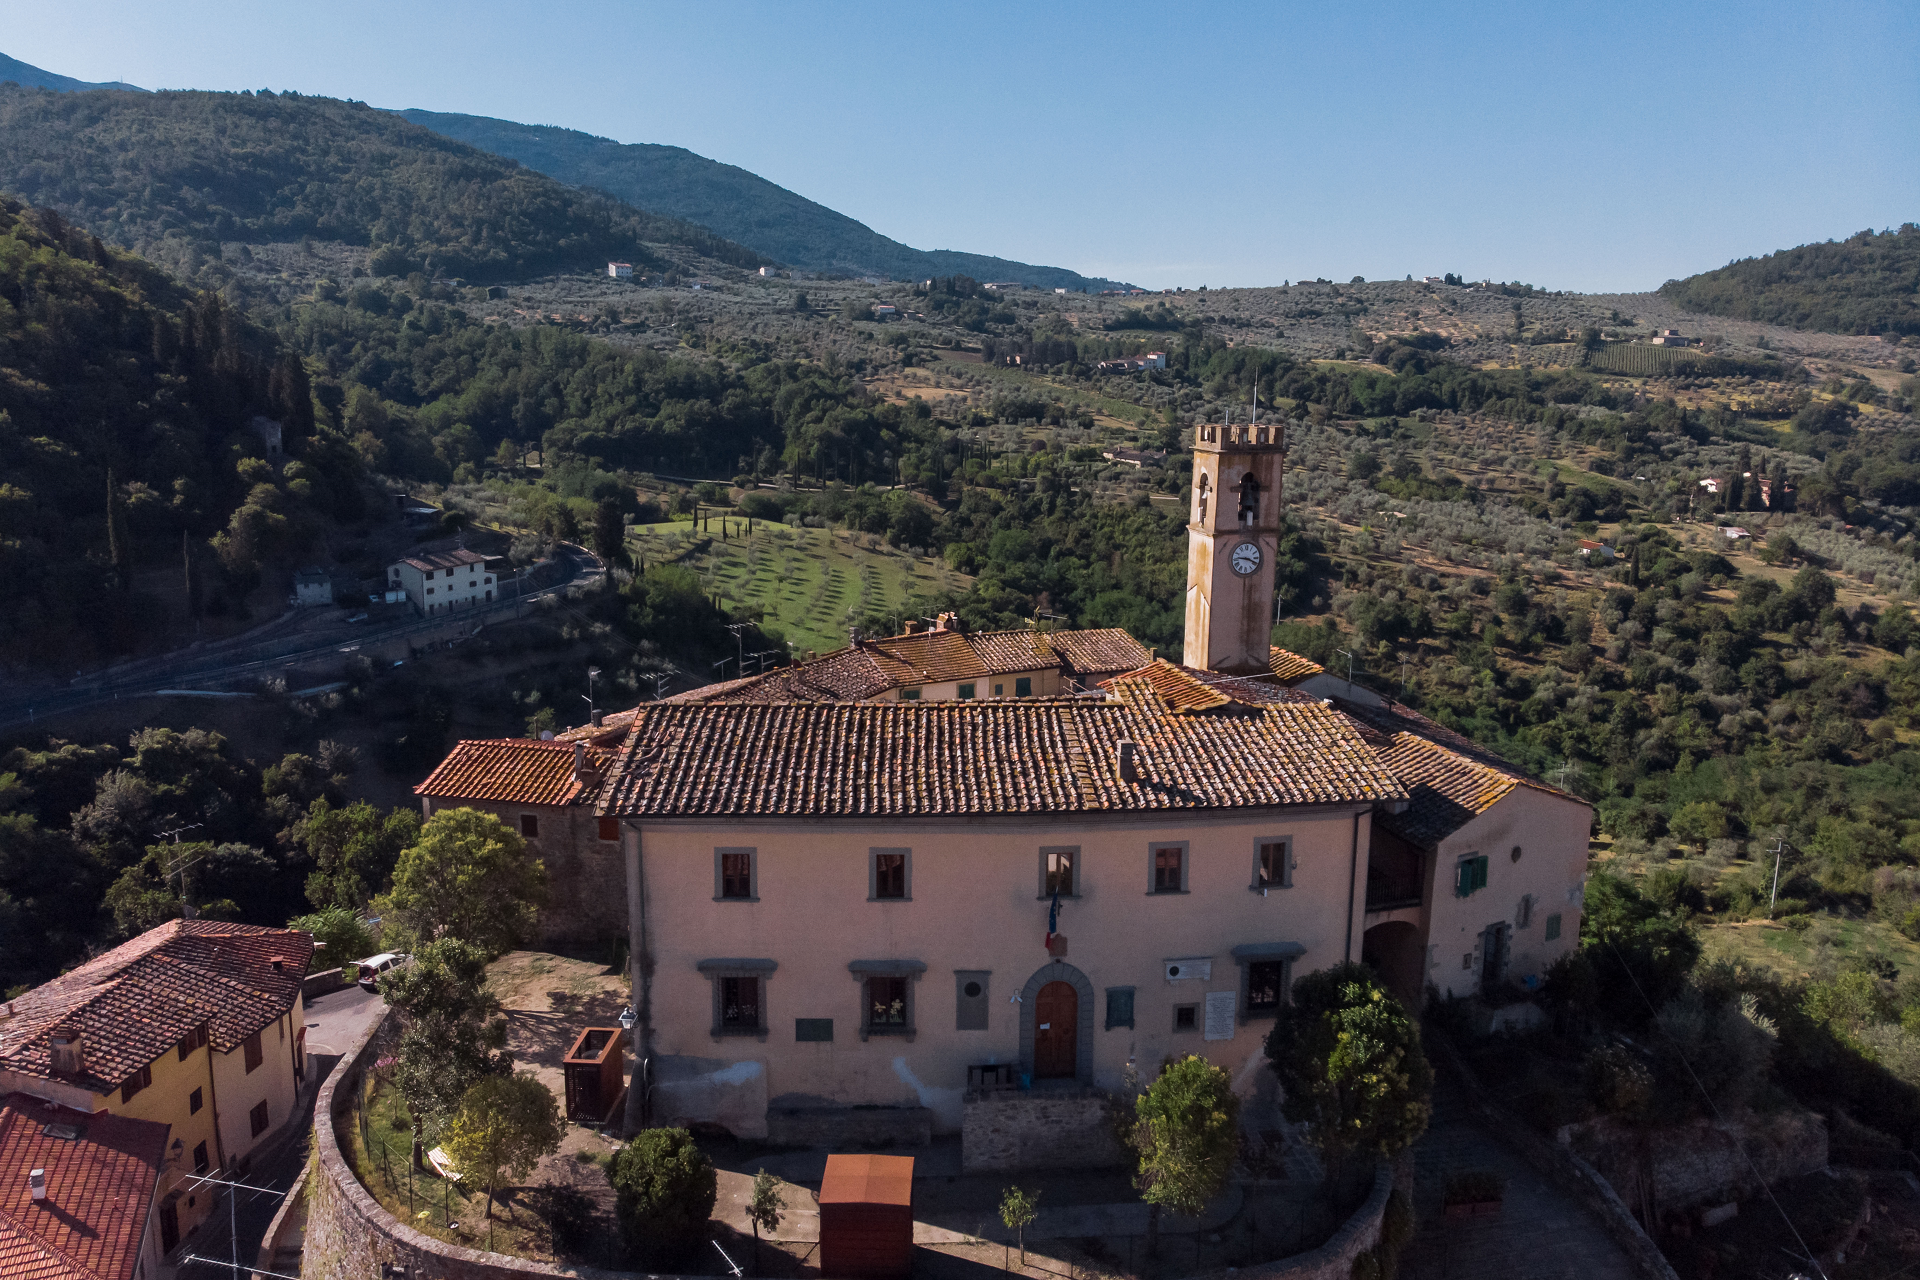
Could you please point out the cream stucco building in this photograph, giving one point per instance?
(840, 897)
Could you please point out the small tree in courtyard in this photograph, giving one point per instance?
(469, 877)
(1017, 1208)
(1349, 1060)
(1186, 1135)
(763, 1210)
(503, 1127)
(664, 1188)
(453, 1032)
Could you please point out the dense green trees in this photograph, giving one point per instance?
(467, 876)
(206, 168)
(1863, 284)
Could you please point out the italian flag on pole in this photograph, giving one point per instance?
(1053, 919)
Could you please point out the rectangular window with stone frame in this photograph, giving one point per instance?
(887, 996)
(736, 875)
(1266, 972)
(1059, 871)
(889, 875)
(1273, 862)
(739, 995)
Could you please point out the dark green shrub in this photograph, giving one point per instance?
(664, 1188)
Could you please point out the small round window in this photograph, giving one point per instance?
(1516, 853)
(972, 989)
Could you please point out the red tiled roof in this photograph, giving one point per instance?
(100, 1187)
(873, 667)
(143, 997)
(514, 771)
(955, 758)
(1449, 778)
(1103, 652)
(1288, 666)
(1185, 689)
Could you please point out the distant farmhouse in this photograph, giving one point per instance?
(1136, 457)
(620, 270)
(442, 581)
(1134, 364)
(1670, 338)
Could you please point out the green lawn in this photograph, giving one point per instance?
(812, 583)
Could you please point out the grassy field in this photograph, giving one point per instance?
(811, 582)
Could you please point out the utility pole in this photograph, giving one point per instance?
(739, 630)
(174, 867)
(1779, 847)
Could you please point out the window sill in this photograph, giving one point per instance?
(739, 1033)
(1168, 893)
(725, 898)
(1118, 1026)
(1263, 888)
(898, 1033)
(1255, 1015)
(906, 899)
(1065, 897)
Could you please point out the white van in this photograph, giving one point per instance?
(373, 966)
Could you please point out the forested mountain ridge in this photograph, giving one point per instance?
(125, 406)
(733, 202)
(23, 73)
(143, 169)
(1867, 283)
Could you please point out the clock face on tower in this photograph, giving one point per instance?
(1245, 558)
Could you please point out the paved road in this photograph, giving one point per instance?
(334, 1021)
(1538, 1234)
(250, 655)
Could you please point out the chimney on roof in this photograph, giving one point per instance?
(596, 717)
(853, 636)
(37, 1183)
(1128, 764)
(68, 1054)
(579, 761)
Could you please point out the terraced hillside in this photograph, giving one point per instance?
(810, 582)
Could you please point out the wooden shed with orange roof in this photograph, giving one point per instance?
(866, 1217)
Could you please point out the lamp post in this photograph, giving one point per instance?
(593, 673)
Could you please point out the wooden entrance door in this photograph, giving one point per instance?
(1056, 1031)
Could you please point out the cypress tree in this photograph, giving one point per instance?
(119, 554)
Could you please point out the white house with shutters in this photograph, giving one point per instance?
(443, 581)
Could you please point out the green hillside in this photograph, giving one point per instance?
(1867, 283)
(124, 411)
(34, 78)
(139, 169)
(737, 204)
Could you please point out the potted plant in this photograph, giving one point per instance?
(1473, 1193)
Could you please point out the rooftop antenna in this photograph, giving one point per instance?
(1256, 402)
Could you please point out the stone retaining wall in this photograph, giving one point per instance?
(1703, 1161)
(1003, 1132)
(849, 1126)
(1334, 1259)
(318, 984)
(349, 1236)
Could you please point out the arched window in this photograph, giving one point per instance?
(1249, 501)
(1200, 489)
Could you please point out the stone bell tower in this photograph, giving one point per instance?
(1233, 535)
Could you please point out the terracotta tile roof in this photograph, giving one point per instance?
(100, 1187)
(1289, 666)
(1449, 778)
(515, 771)
(431, 560)
(1188, 689)
(143, 997)
(960, 758)
(1094, 655)
(874, 667)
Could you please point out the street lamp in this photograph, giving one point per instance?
(627, 1019)
(593, 673)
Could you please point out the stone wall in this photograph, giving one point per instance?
(350, 1237)
(1703, 1162)
(849, 1126)
(586, 876)
(1014, 1130)
(319, 984)
(1334, 1259)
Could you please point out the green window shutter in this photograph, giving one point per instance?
(1463, 878)
(1553, 927)
(1480, 872)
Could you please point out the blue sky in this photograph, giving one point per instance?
(1592, 147)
